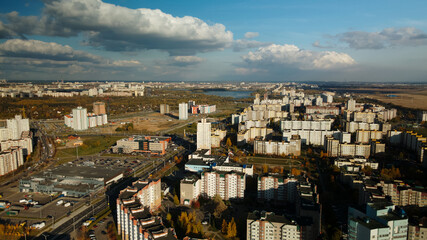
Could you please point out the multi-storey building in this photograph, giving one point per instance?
(134, 218)
(99, 108)
(204, 135)
(379, 220)
(14, 128)
(417, 229)
(80, 119)
(268, 226)
(228, 185)
(183, 111)
(10, 160)
(277, 188)
(147, 144)
(292, 147)
(164, 109)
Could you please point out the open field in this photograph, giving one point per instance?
(410, 98)
(91, 145)
(285, 162)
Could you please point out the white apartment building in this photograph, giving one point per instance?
(80, 119)
(134, 220)
(14, 128)
(183, 111)
(25, 143)
(10, 160)
(204, 135)
(268, 226)
(305, 125)
(228, 185)
(292, 147)
(277, 188)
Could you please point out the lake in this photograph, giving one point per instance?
(233, 94)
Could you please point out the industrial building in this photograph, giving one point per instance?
(74, 181)
(143, 144)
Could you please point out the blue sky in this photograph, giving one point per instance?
(369, 41)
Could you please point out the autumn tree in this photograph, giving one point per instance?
(224, 227)
(228, 143)
(232, 229)
(175, 200)
(265, 168)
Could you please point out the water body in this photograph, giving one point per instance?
(233, 94)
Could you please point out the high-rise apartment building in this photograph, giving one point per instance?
(164, 109)
(10, 160)
(134, 207)
(16, 126)
(351, 105)
(99, 108)
(183, 111)
(204, 135)
(80, 119)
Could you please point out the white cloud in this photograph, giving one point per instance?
(290, 56)
(119, 28)
(247, 71)
(250, 35)
(388, 37)
(243, 44)
(183, 61)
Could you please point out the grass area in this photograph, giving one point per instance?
(272, 161)
(91, 145)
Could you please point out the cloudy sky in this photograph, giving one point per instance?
(254, 40)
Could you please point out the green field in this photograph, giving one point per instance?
(91, 145)
(285, 162)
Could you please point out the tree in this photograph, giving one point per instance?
(168, 217)
(228, 143)
(265, 168)
(219, 206)
(175, 200)
(224, 227)
(232, 229)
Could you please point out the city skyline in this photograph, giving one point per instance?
(382, 41)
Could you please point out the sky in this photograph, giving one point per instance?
(255, 40)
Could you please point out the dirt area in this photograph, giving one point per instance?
(152, 122)
(410, 98)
